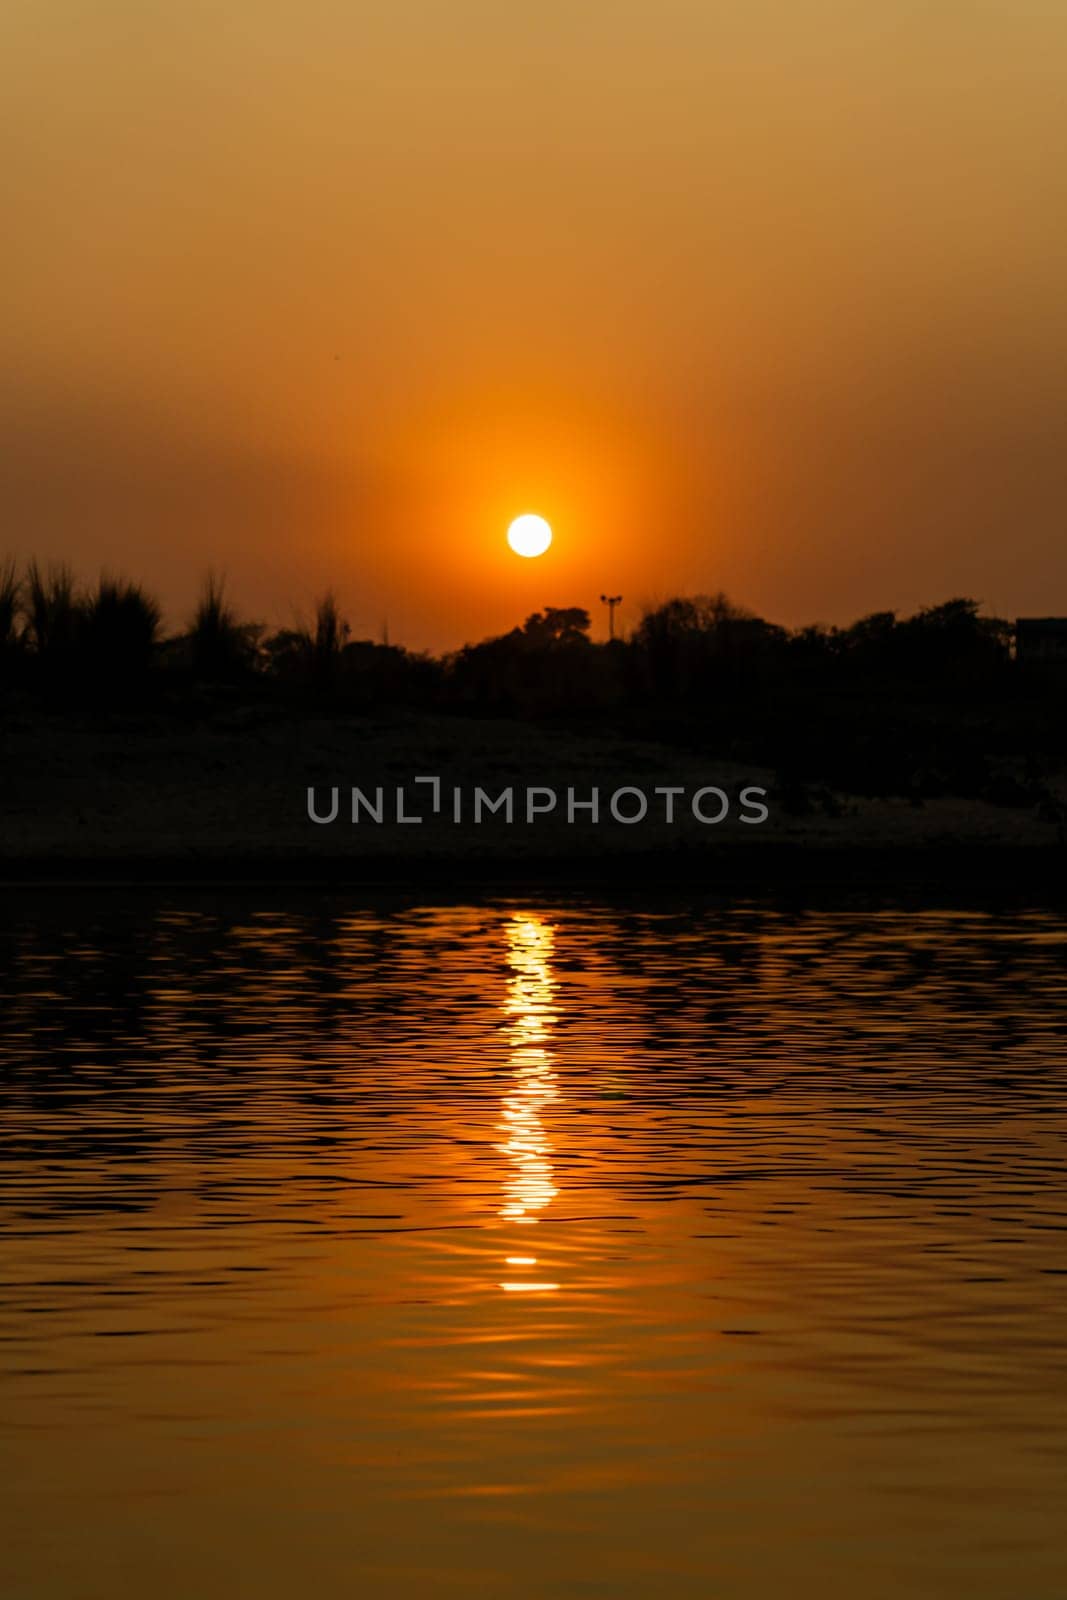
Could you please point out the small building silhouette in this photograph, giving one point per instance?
(1041, 639)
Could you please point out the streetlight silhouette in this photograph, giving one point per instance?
(611, 601)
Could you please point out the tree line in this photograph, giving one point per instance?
(55, 635)
(934, 702)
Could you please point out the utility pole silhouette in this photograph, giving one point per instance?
(611, 601)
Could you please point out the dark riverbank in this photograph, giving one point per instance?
(1033, 874)
(137, 799)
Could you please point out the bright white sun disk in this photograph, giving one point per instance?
(529, 535)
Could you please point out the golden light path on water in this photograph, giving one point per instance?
(529, 1185)
(615, 1251)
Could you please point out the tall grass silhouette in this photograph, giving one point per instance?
(53, 612)
(121, 629)
(74, 644)
(326, 645)
(221, 647)
(10, 597)
(313, 661)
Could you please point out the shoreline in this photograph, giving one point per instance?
(1030, 871)
(207, 807)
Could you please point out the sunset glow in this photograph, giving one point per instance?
(770, 304)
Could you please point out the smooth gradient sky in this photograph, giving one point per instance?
(766, 298)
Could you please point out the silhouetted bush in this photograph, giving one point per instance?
(220, 649)
(120, 632)
(322, 668)
(387, 675)
(10, 598)
(75, 646)
(54, 612)
(54, 628)
(308, 660)
(285, 653)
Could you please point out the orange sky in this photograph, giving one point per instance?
(765, 298)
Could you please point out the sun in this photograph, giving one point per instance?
(529, 535)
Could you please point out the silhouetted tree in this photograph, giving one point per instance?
(557, 625)
(692, 646)
(953, 640)
(546, 666)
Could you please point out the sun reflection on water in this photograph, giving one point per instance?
(530, 1008)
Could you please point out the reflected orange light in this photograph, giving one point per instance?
(529, 1184)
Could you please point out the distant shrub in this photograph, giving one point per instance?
(11, 642)
(220, 647)
(309, 659)
(326, 645)
(53, 630)
(120, 632)
(387, 675)
(54, 613)
(285, 653)
(10, 594)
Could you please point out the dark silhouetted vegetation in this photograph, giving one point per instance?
(121, 626)
(72, 646)
(219, 648)
(54, 618)
(919, 706)
(10, 590)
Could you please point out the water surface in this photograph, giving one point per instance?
(531, 1250)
